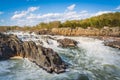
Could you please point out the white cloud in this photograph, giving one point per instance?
(71, 7)
(29, 17)
(118, 8)
(101, 12)
(34, 19)
(70, 15)
(1, 12)
(46, 16)
(31, 9)
(21, 14)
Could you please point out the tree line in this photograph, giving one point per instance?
(108, 19)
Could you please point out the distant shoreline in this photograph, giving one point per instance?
(106, 31)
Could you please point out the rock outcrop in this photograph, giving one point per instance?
(43, 31)
(67, 42)
(106, 31)
(11, 45)
(114, 44)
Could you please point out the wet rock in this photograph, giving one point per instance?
(43, 32)
(11, 45)
(40, 42)
(67, 42)
(49, 37)
(52, 61)
(114, 44)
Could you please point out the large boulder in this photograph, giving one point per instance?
(11, 45)
(67, 42)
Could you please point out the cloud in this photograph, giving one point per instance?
(37, 18)
(31, 9)
(1, 12)
(118, 8)
(44, 16)
(71, 7)
(21, 14)
(70, 15)
(29, 17)
(101, 12)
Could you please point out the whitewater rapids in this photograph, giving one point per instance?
(91, 60)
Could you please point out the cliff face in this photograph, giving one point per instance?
(46, 58)
(87, 32)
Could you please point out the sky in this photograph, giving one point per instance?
(32, 12)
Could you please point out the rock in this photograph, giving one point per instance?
(11, 45)
(78, 31)
(43, 32)
(48, 37)
(114, 44)
(52, 60)
(67, 42)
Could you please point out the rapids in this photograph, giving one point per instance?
(91, 60)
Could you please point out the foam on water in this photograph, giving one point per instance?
(91, 60)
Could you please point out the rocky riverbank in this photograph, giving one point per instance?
(111, 36)
(11, 45)
(106, 31)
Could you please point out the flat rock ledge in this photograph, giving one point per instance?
(46, 58)
(114, 44)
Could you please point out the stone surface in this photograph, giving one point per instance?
(114, 44)
(107, 31)
(11, 45)
(43, 31)
(67, 42)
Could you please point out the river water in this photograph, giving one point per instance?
(91, 60)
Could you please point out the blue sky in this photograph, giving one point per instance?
(32, 12)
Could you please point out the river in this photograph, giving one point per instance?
(91, 60)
